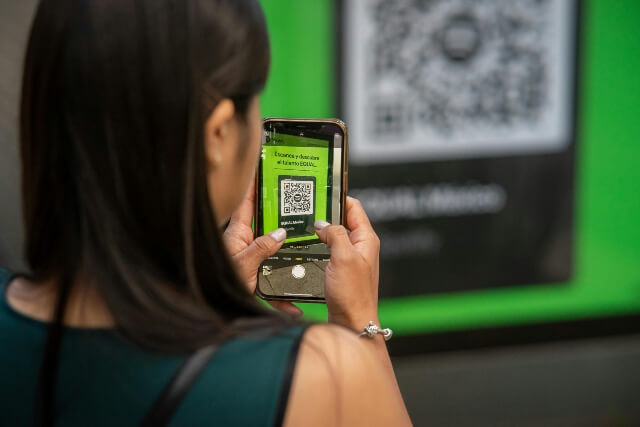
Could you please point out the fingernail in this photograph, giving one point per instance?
(319, 225)
(278, 235)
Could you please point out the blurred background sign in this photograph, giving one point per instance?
(461, 116)
(452, 79)
(499, 128)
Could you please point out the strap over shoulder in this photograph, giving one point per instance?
(170, 398)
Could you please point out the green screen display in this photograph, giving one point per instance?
(296, 188)
(295, 173)
(607, 216)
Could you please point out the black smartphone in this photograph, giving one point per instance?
(301, 179)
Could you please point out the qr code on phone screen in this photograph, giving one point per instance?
(296, 197)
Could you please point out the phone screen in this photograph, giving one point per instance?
(300, 181)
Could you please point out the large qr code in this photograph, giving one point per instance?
(428, 79)
(296, 197)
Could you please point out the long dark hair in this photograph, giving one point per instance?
(114, 98)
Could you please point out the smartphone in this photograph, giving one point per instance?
(301, 178)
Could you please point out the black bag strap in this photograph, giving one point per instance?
(166, 404)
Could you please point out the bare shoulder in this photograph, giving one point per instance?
(338, 380)
(32, 300)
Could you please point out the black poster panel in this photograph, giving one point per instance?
(462, 138)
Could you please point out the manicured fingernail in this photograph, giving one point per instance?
(278, 235)
(319, 225)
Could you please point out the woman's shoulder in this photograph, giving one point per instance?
(339, 380)
(275, 349)
(247, 381)
(256, 377)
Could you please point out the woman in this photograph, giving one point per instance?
(140, 131)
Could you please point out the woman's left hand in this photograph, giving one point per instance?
(248, 253)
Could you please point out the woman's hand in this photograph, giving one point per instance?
(248, 253)
(351, 277)
(356, 366)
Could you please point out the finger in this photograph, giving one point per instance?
(357, 218)
(336, 237)
(263, 247)
(286, 307)
(244, 214)
(362, 235)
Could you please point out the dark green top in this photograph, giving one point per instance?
(104, 380)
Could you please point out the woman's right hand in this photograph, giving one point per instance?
(359, 368)
(351, 277)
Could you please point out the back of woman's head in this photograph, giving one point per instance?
(115, 96)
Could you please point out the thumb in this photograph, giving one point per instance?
(264, 246)
(336, 237)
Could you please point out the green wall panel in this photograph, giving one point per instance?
(607, 250)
